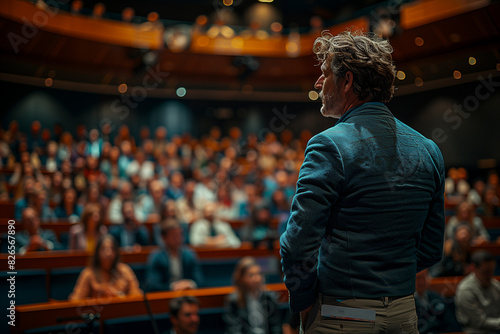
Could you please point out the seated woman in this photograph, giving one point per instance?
(93, 196)
(68, 209)
(106, 276)
(251, 309)
(84, 235)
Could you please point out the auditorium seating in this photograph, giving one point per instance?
(128, 315)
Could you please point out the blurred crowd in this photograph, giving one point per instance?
(90, 178)
(190, 189)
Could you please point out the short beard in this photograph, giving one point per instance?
(325, 112)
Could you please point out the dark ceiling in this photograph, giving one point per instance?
(100, 67)
(294, 13)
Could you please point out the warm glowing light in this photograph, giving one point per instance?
(213, 31)
(457, 74)
(227, 32)
(203, 41)
(276, 27)
(237, 42)
(201, 20)
(313, 95)
(122, 88)
(292, 47)
(153, 17)
(419, 82)
(472, 61)
(227, 2)
(419, 41)
(48, 82)
(268, 1)
(181, 92)
(401, 75)
(261, 34)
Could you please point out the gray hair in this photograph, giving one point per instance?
(367, 56)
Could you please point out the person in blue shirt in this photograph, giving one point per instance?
(173, 266)
(368, 212)
(130, 233)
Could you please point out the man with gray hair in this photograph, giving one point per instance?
(368, 212)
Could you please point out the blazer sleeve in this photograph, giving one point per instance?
(430, 247)
(157, 272)
(142, 236)
(192, 265)
(321, 180)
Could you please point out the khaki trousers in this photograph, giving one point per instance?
(393, 316)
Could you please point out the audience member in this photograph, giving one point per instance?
(106, 276)
(456, 186)
(130, 233)
(33, 238)
(69, 208)
(465, 213)
(186, 209)
(456, 259)
(435, 313)
(226, 208)
(150, 205)
(93, 196)
(174, 266)
(259, 229)
(251, 309)
(41, 205)
(478, 297)
(25, 197)
(125, 192)
(142, 168)
(491, 205)
(85, 234)
(184, 315)
(212, 232)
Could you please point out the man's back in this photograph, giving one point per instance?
(391, 175)
(371, 192)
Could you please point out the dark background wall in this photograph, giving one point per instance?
(464, 137)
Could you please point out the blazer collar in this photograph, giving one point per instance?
(368, 108)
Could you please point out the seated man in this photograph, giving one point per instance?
(184, 315)
(130, 233)
(174, 266)
(211, 232)
(478, 297)
(150, 206)
(435, 314)
(32, 237)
